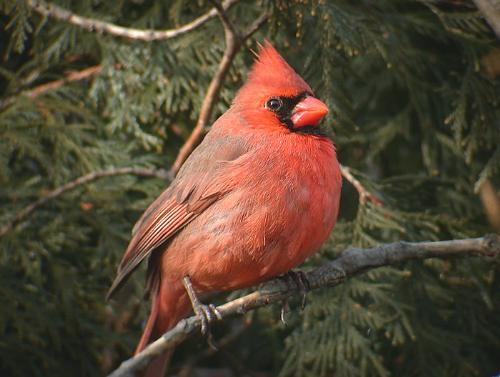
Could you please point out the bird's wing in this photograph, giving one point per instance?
(204, 178)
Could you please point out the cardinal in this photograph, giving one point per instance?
(257, 197)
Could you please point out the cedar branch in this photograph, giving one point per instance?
(350, 263)
(61, 14)
(88, 178)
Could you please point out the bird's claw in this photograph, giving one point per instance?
(206, 313)
(298, 280)
(285, 308)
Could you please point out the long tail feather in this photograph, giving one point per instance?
(169, 305)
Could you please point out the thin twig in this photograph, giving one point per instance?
(350, 263)
(53, 85)
(228, 24)
(27, 211)
(70, 77)
(363, 193)
(61, 14)
(256, 25)
(234, 41)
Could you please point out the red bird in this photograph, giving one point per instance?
(257, 197)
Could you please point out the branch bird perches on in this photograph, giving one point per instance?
(350, 263)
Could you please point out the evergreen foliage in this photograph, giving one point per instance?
(416, 118)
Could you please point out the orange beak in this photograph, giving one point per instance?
(308, 112)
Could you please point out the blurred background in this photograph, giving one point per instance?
(415, 116)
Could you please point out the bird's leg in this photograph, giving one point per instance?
(206, 313)
(299, 280)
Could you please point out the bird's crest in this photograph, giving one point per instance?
(271, 72)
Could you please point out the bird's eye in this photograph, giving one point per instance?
(274, 104)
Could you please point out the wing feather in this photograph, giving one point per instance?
(154, 233)
(204, 179)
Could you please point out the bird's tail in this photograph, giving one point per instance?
(149, 333)
(169, 306)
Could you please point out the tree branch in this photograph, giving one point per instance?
(70, 77)
(256, 25)
(490, 10)
(234, 41)
(27, 211)
(61, 14)
(363, 193)
(350, 263)
(53, 85)
(226, 22)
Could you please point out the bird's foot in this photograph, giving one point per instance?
(206, 313)
(298, 280)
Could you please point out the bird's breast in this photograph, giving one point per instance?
(283, 207)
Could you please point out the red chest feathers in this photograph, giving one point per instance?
(282, 207)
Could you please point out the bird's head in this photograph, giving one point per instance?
(275, 94)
